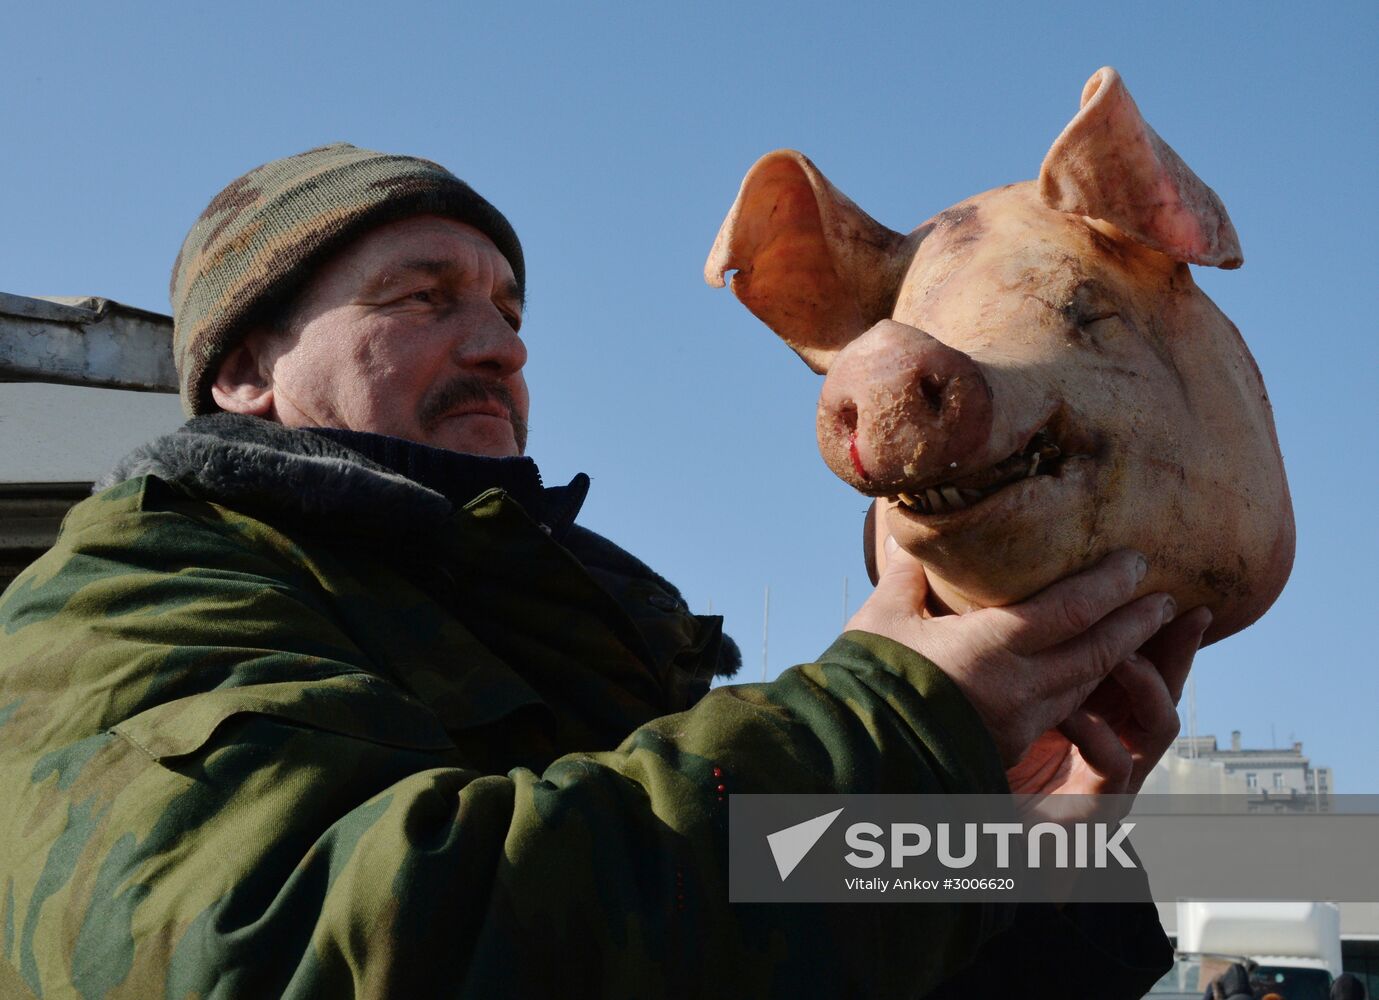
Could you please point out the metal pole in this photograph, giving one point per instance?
(765, 632)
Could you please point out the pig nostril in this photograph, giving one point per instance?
(847, 413)
(931, 388)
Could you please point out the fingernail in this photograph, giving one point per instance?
(1141, 568)
(1170, 609)
(891, 544)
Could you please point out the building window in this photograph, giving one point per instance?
(1251, 779)
(1278, 781)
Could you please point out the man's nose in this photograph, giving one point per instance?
(489, 345)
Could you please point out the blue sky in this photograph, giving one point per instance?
(615, 136)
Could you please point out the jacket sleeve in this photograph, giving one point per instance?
(210, 792)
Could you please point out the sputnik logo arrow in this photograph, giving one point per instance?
(789, 846)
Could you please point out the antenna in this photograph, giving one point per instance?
(1192, 715)
(765, 632)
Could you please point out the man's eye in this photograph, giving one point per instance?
(424, 295)
(513, 321)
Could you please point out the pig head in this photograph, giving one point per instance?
(1032, 379)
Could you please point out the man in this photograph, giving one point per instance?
(328, 695)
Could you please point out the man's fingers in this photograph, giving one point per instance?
(1173, 648)
(902, 580)
(1151, 705)
(1080, 664)
(1069, 607)
(898, 598)
(1100, 747)
(1154, 712)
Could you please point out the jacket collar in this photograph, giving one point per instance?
(312, 480)
(460, 478)
(262, 465)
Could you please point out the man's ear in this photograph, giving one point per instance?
(244, 382)
(871, 546)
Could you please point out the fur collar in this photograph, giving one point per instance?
(260, 466)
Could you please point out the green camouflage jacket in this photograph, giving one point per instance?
(275, 721)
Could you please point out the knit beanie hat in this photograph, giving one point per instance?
(258, 239)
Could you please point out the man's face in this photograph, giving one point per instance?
(410, 331)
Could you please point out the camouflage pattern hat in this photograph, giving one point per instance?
(258, 237)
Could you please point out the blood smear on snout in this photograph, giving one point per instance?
(857, 459)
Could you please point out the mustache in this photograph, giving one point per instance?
(463, 390)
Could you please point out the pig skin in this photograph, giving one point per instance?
(1065, 305)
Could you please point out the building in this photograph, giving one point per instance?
(30, 515)
(92, 343)
(1279, 771)
(1274, 779)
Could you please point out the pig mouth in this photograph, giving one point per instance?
(1042, 455)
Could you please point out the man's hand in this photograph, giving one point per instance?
(1111, 743)
(1026, 668)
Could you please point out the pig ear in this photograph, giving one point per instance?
(810, 264)
(1109, 164)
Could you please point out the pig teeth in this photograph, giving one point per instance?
(1041, 451)
(940, 499)
(918, 503)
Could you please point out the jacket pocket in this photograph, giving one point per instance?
(362, 706)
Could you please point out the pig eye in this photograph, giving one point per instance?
(1090, 302)
(1090, 329)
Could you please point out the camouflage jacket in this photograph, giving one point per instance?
(275, 721)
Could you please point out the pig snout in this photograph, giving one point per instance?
(899, 409)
